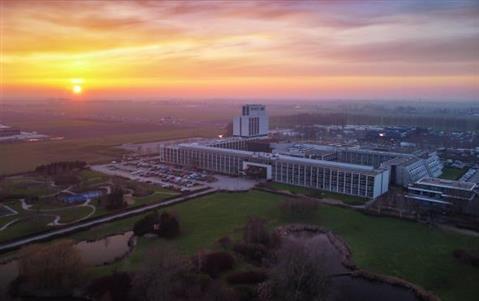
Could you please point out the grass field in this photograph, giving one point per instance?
(157, 195)
(348, 199)
(412, 251)
(92, 150)
(452, 173)
(35, 221)
(26, 186)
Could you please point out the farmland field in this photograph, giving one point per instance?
(24, 157)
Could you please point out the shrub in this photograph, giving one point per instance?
(169, 226)
(225, 242)
(299, 207)
(467, 257)
(217, 291)
(247, 277)
(146, 224)
(252, 252)
(117, 286)
(214, 263)
(246, 292)
(255, 231)
(190, 286)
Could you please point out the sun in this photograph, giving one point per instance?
(77, 89)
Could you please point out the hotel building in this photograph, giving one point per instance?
(351, 171)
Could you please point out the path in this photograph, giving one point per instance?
(87, 224)
(459, 230)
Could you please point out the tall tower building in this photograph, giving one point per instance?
(253, 122)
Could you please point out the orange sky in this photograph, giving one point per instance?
(314, 50)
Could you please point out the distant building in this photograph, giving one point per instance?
(443, 194)
(7, 131)
(253, 122)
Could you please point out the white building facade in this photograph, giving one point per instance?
(253, 122)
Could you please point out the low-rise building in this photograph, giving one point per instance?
(441, 194)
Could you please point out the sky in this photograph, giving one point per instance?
(393, 49)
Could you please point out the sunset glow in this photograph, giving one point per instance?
(77, 89)
(350, 49)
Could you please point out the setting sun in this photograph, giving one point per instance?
(77, 89)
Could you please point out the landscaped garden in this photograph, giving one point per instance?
(66, 192)
(452, 173)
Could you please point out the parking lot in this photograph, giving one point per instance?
(150, 170)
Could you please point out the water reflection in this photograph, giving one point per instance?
(98, 252)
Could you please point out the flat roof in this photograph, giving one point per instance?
(447, 183)
(325, 163)
(426, 199)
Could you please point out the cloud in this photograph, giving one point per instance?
(186, 40)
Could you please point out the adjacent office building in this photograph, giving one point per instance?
(441, 194)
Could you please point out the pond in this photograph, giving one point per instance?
(98, 252)
(348, 288)
(343, 286)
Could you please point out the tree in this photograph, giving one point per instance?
(164, 225)
(115, 200)
(217, 291)
(255, 232)
(301, 272)
(146, 224)
(157, 279)
(214, 263)
(53, 266)
(56, 168)
(169, 226)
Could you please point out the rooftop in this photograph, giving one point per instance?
(332, 164)
(447, 183)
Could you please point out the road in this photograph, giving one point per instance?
(106, 219)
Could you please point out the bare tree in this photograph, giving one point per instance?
(301, 272)
(156, 279)
(56, 265)
(255, 231)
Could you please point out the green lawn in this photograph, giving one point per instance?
(348, 199)
(452, 173)
(35, 221)
(412, 251)
(27, 186)
(72, 214)
(22, 227)
(158, 195)
(90, 177)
